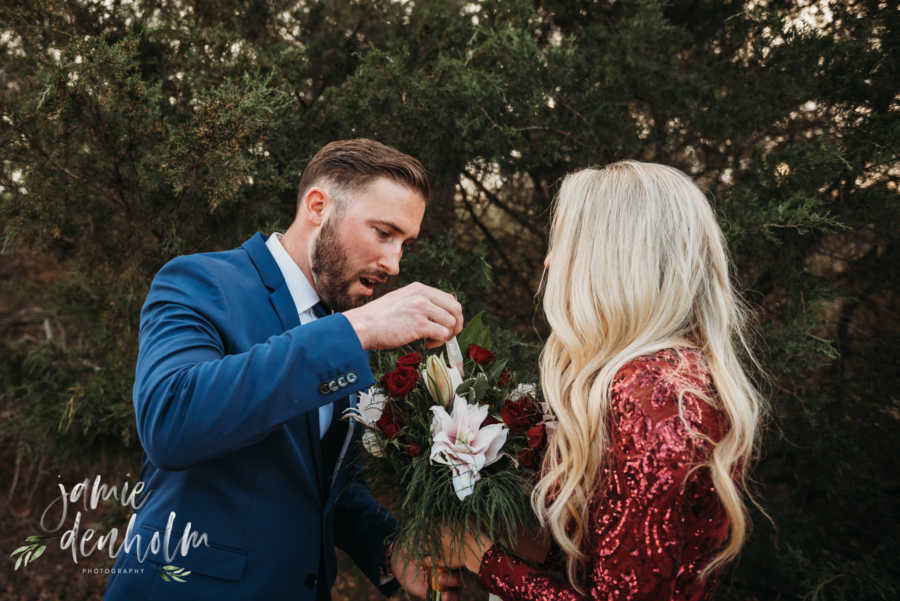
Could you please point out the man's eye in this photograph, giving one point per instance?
(384, 235)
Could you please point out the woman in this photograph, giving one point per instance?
(641, 482)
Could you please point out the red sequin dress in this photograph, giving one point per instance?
(653, 523)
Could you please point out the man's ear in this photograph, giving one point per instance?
(313, 205)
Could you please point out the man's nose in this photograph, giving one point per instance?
(390, 261)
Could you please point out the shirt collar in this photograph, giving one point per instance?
(301, 290)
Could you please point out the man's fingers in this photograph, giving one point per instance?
(438, 314)
(445, 300)
(414, 312)
(446, 309)
(435, 332)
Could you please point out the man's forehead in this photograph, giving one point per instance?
(392, 203)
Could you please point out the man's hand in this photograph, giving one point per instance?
(411, 313)
(413, 577)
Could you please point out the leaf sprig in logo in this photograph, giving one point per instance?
(28, 553)
(170, 573)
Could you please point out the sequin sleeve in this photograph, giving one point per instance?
(655, 522)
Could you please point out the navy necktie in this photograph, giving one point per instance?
(321, 309)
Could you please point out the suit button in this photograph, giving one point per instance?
(351, 377)
(342, 382)
(324, 389)
(310, 581)
(333, 386)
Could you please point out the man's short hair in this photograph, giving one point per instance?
(350, 165)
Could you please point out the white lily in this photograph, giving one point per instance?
(463, 444)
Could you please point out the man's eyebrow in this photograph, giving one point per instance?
(394, 227)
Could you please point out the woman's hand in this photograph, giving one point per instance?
(466, 550)
(532, 546)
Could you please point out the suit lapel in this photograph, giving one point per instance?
(284, 306)
(306, 426)
(287, 312)
(263, 261)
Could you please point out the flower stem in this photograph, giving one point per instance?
(434, 588)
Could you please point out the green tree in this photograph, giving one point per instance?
(133, 132)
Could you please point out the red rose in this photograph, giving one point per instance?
(521, 414)
(489, 420)
(528, 458)
(389, 424)
(537, 436)
(413, 449)
(400, 382)
(479, 355)
(409, 360)
(504, 379)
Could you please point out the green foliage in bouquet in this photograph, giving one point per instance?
(403, 416)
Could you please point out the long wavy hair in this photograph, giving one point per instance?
(637, 263)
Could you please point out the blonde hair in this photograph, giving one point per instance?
(637, 263)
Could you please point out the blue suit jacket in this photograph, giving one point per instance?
(226, 397)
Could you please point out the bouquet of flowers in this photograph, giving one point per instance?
(459, 444)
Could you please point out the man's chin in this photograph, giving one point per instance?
(358, 300)
(348, 301)
(352, 296)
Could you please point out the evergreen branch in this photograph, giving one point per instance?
(487, 233)
(496, 201)
(554, 130)
(35, 146)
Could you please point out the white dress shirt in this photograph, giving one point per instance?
(305, 298)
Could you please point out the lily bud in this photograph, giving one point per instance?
(438, 380)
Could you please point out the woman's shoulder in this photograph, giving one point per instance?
(678, 367)
(672, 384)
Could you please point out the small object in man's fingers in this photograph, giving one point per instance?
(454, 355)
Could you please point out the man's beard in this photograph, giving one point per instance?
(332, 272)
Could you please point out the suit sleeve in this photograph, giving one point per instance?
(194, 402)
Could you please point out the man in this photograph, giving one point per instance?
(247, 358)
